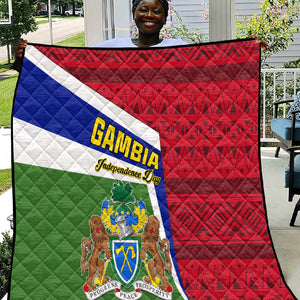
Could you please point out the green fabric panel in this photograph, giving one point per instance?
(53, 209)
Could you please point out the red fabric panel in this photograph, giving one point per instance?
(204, 101)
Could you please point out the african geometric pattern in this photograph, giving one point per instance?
(203, 100)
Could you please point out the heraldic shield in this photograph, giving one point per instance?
(126, 258)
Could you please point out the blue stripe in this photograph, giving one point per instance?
(43, 102)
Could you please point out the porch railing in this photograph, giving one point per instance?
(276, 84)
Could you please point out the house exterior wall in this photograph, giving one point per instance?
(192, 11)
(123, 17)
(248, 8)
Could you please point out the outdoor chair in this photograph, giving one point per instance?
(292, 179)
(287, 130)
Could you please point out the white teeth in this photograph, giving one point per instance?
(149, 23)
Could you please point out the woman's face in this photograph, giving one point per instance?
(149, 16)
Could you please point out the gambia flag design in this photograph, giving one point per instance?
(139, 140)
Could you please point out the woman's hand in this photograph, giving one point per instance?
(20, 48)
(263, 44)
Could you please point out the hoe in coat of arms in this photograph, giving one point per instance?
(122, 239)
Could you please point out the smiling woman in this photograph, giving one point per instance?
(150, 16)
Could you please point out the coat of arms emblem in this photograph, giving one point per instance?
(125, 255)
(126, 260)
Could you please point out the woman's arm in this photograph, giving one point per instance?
(18, 61)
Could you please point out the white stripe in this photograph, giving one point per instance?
(38, 147)
(35, 146)
(45, 149)
(92, 97)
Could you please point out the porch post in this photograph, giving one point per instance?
(221, 20)
(94, 21)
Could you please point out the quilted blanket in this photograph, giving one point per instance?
(137, 175)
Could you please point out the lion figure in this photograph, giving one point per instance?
(97, 244)
(156, 265)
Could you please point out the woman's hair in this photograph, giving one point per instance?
(164, 3)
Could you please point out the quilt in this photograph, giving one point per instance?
(137, 175)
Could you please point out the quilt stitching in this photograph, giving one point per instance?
(203, 102)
